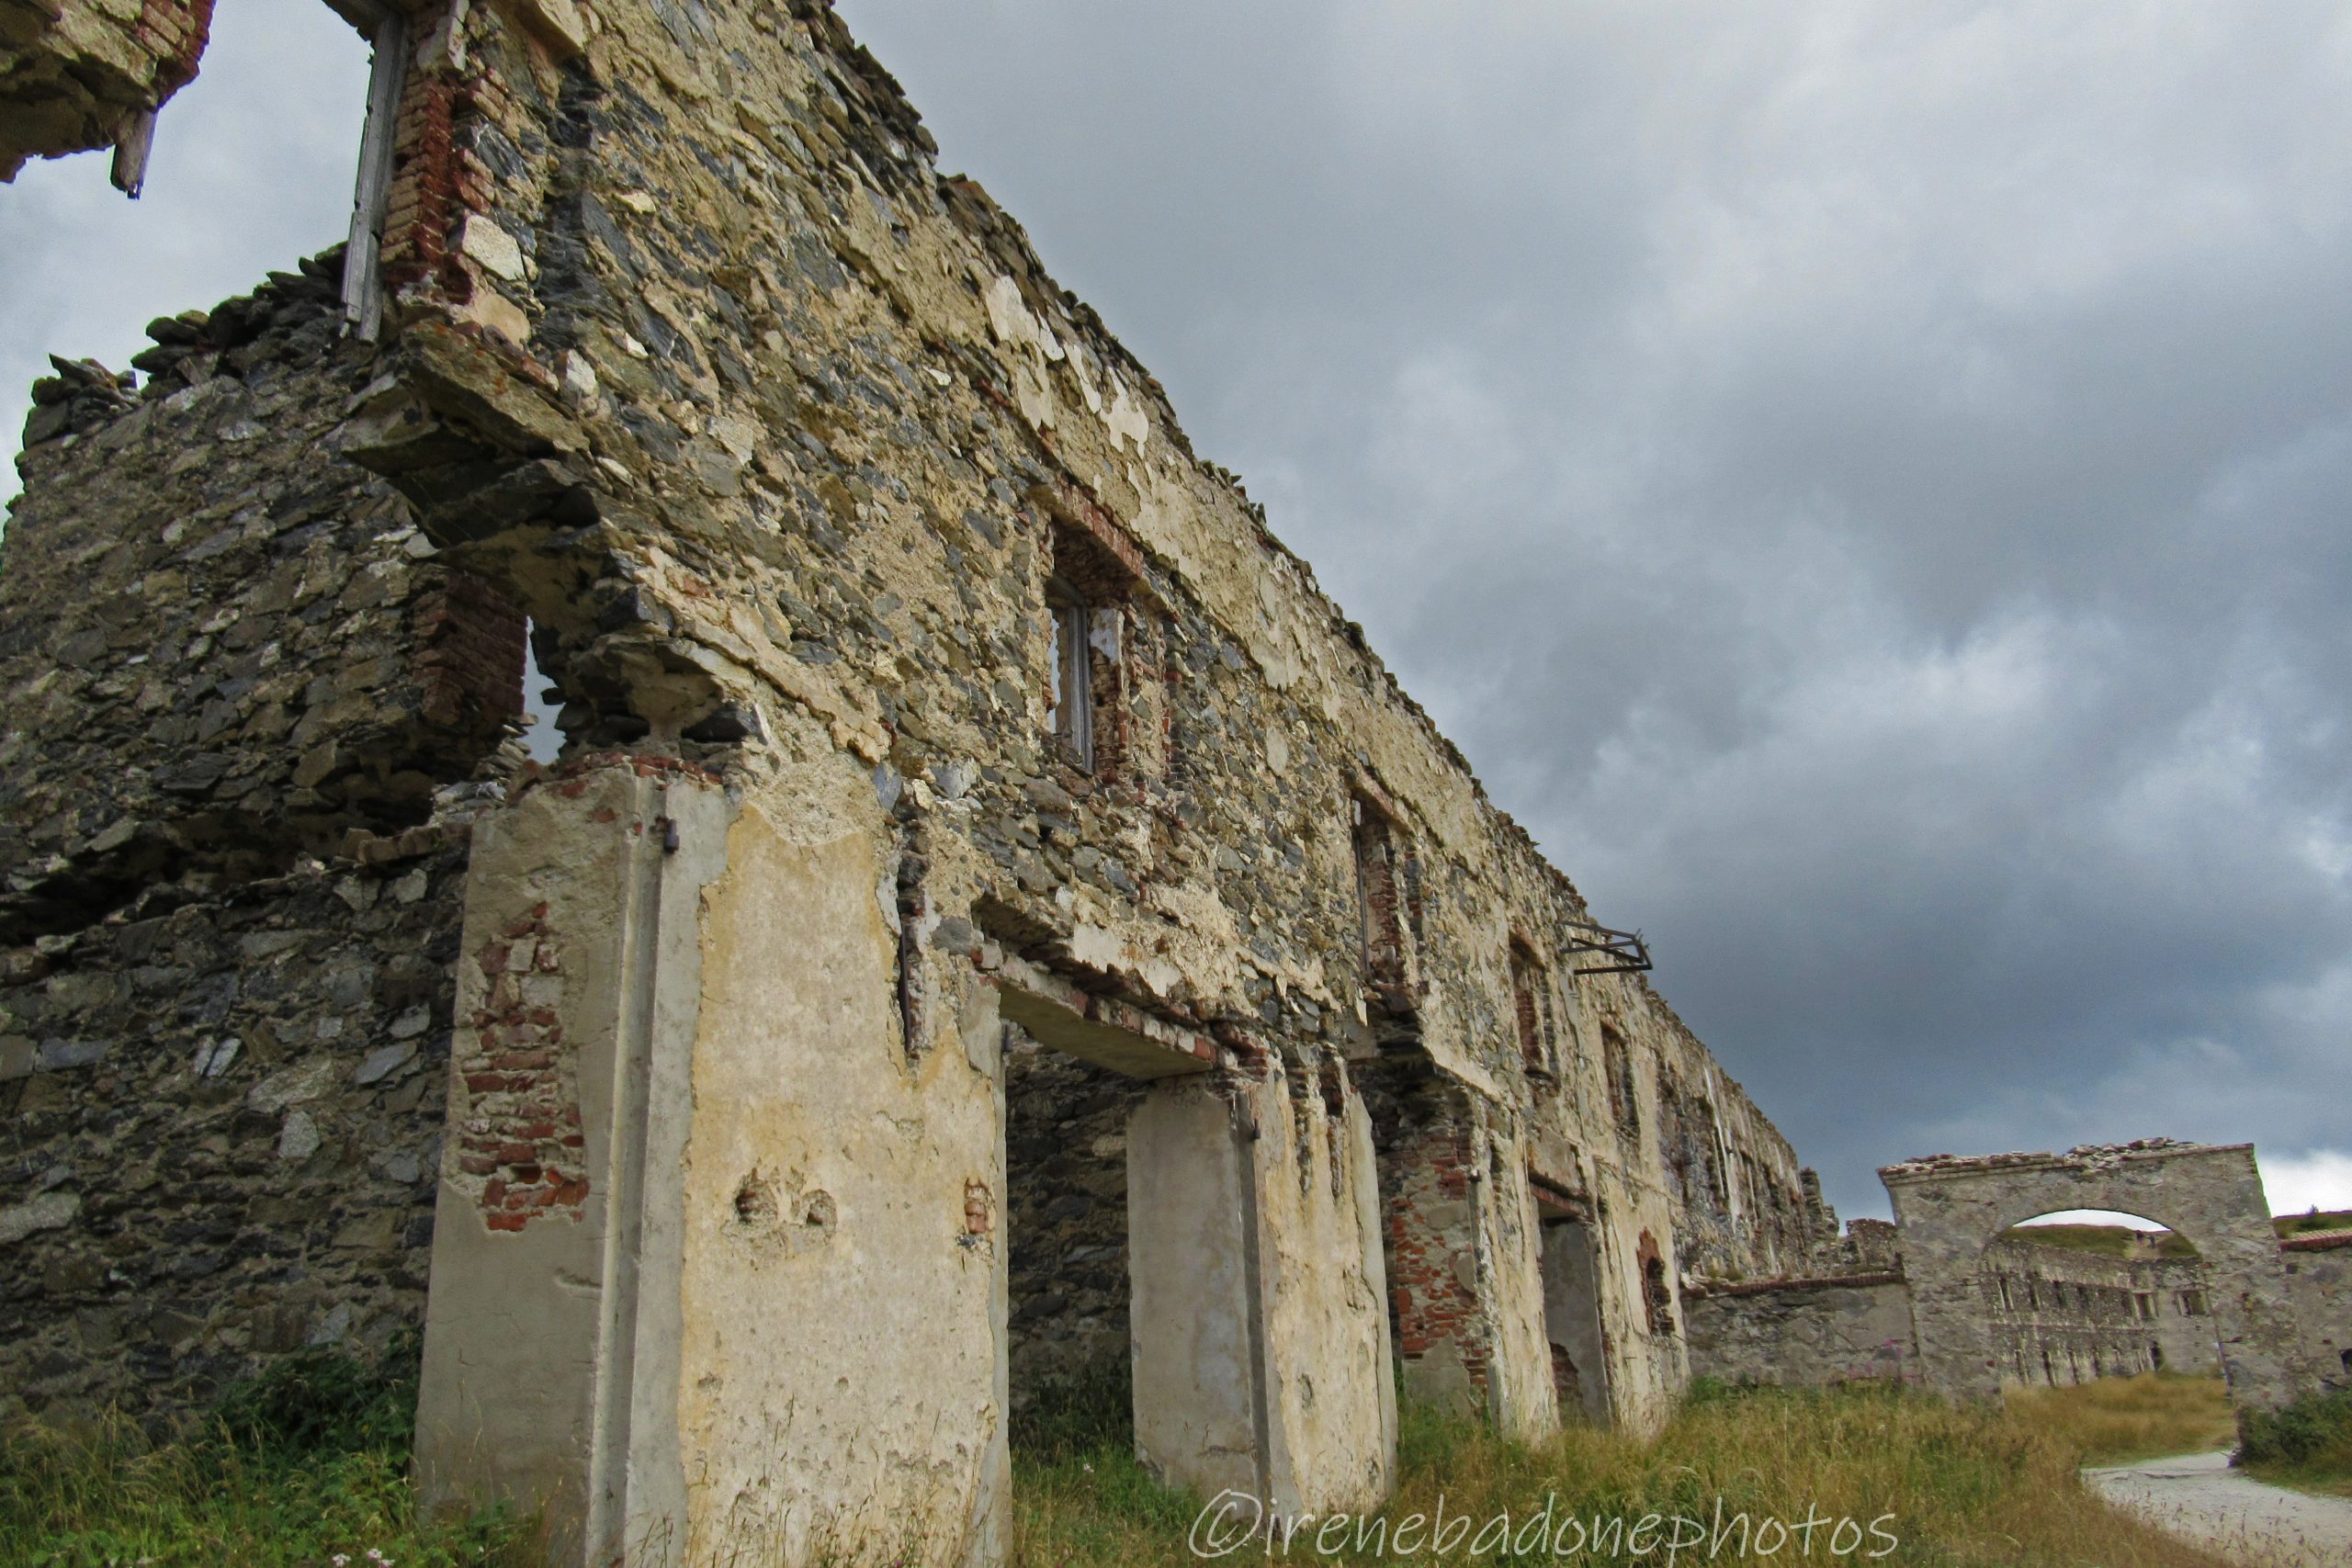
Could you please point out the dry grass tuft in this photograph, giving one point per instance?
(2118, 1420)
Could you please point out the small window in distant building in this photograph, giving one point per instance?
(1530, 1010)
(1072, 710)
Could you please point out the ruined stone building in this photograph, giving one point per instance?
(1954, 1297)
(993, 919)
(2064, 1316)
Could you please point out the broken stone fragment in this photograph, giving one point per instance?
(730, 722)
(187, 330)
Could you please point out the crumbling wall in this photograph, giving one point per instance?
(1951, 1209)
(245, 699)
(1816, 1332)
(2319, 1277)
(221, 647)
(795, 455)
(74, 74)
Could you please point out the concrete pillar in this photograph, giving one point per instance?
(716, 1269)
(1261, 1354)
(546, 1358)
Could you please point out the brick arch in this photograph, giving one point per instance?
(1949, 1210)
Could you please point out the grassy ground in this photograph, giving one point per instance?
(1956, 1488)
(2307, 1445)
(2117, 1420)
(312, 1464)
(306, 1465)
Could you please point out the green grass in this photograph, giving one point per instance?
(2112, 1241)
(2117, 1420)
(311, 1461)
(2314, 1220)
(2307, 1445)
(306, 1462)
(1964, 1487)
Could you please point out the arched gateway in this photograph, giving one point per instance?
(1950, 1208)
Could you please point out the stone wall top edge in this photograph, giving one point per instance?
(2088, 1159)
(1704, 1291)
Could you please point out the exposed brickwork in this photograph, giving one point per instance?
(521, 1137)
(471, 646)
(176, 33)
(1428, 1211)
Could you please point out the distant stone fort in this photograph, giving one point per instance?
(992, 920)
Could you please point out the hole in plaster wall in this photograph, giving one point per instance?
(819, 1210)
(755, 1202)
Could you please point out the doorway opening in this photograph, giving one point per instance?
(1070, 1358)
(1570, 1264)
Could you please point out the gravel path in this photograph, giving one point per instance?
(2199, 1497)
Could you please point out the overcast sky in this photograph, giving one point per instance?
(1866, 485)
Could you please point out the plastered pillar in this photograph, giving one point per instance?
(718, 1272)
(548, 1358)
(1260, 1333)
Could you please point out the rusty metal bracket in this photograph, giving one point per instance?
(1625, 952)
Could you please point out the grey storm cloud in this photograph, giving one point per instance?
(1865, 485)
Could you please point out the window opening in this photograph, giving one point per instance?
(1072, 717)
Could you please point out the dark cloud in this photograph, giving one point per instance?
(1866, 487)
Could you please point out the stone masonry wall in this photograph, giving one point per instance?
(1065, 1217)
(222, 1125)
(221, 647)
(2063, 1315)
(1804, 1332)
(812, 428)
(779, 437)
(232, 669)
(2319, 1275)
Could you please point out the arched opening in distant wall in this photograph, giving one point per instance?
(1951, 1209)
(2076, 1295)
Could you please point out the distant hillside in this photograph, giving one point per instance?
(2115, 1241)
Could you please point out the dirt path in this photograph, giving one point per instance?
(2199, 1497)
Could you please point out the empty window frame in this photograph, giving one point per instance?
(1070, 714)
(1090, 604)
